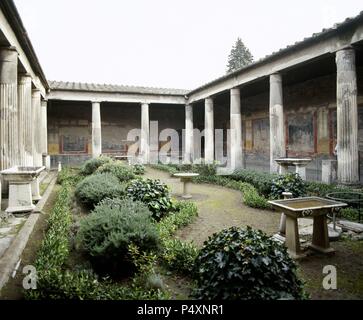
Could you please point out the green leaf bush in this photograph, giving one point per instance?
(154, 193)
(245, 264)
(90, 166)
(251, 197)
(262, 181)
(111, 227)
(118, 169)
(290, 182)
(93, 189)
(138, 169)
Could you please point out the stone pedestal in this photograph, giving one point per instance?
(36, 190)
(236, 152)
(301, 171)
(277, 125)
(209, 131)
(20, 197)
(189, 137)
(347, 117)
(329, 171)
(145, 134)
(96, 130)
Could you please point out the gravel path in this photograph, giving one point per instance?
(219, 208)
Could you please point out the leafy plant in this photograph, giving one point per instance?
(179, 256)
(118, 169)
(138, 169)
(245, 264)
(97, 187)
(105, 235)
(262, 181)
(92, 165)
(290, 182)
(251, 197)
(154, 193)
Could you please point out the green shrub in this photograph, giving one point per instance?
(118, 169)
(351, 214)
(185, 213)
(93, 189)
(92, 165)
(138, 169)
(251, 197)
(111, 227)
(179, 256)
(245, 264)
(319, 189)
(262, 181)
(154, 193)
(290, 182)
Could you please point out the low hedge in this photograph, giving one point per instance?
(177, 255)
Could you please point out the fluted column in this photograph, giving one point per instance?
(236, 130)
(9, 142)
(25, 124)
(145, 133)
(44, 129)
(37, 154)
(189, 137)
(96, 130)
(277, 125)
(347, 117)
(209, 131)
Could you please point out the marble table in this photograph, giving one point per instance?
(299, 163)
(23, 188)
(314, 207)
(186, 178)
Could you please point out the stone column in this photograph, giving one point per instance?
(96, 130)
(36, 112)
(9, 144)
(46, 159)
(209, 131)
(189, 137)
(25, 121)
(347, 117)
(236, 130)
(277, 125)
(145, 133)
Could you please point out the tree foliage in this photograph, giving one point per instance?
(239, 57)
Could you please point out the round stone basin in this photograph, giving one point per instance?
(293, 161)
(22, 173)
(186, 175)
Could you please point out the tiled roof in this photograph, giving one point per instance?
(296, 45)
(78, 86)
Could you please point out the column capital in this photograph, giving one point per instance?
(235, 91)
(8, 54)
(24, 78)
(275, 77)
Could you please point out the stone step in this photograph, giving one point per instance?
(349, 225)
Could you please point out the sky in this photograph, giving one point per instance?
(166, 43)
